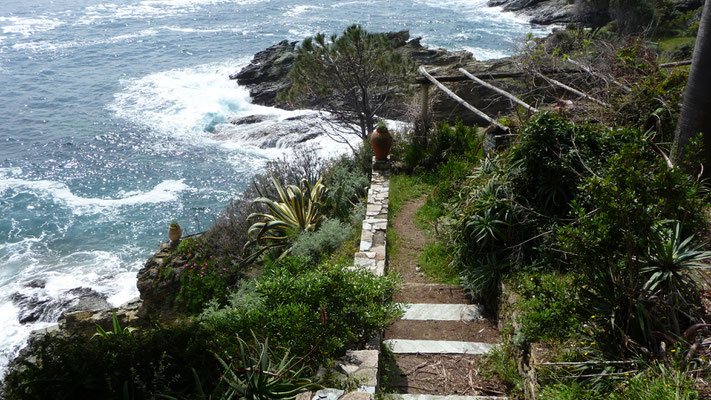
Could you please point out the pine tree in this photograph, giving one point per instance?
(351, 77)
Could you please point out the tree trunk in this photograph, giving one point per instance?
(695, 115)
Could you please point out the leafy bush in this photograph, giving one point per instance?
(444, 142)
(146, 365)
(550, 306)
(347, 185)
(617, 215)
(654, 102)
(315, 245)
(202, 275)
(590, 201)
(299, 305)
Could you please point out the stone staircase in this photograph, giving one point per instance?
(438, 344)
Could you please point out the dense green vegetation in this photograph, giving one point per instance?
(583, 222)
(285, 309)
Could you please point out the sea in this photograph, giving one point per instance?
(114, 121)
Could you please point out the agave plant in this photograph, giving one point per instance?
(297, 210)
(117, 331)
(257, 376)
(670, 259)
(667, 266)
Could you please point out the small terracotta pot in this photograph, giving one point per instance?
(381, 141)
(175, 233)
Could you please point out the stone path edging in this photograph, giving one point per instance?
(362, 365)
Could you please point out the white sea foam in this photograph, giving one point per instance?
(150, 9)
(27, 26)
(182, 102)
(102, 271)
(482, 54)
(302, 32)
(60, 192)
(477, 10)
(298, 10)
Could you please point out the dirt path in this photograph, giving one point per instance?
(440, 372)
(411, 240)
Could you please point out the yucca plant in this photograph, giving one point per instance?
(297, 210)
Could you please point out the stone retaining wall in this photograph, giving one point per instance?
(362, 365)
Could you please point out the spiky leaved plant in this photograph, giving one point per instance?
(297, 210)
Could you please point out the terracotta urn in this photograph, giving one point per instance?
(381, 140)
(175, 232)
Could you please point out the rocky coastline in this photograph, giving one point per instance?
(81, 309)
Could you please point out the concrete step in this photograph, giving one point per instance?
(442, 312)
(409, 346)
(431, 293)
(467, 331)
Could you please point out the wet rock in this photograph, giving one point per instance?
(546, 12)
(36, 284)
(267, 73)
(84, 322)
(85, 299)
(250, 119)
(31, 307)
(158, 291)
(35, 307)
(543, 12)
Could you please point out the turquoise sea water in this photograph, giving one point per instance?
(105, 124)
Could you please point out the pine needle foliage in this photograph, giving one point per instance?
(351, 76)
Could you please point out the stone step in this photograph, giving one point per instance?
(442, 312)
(476, 331)
(444, 397)
(443, 375)
(431, 293)
(410, 346)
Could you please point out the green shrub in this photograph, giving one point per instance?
(347, 186)
(203, 276)
(297, 209)
(617, 216)
(550, 306)
(146, 365)
(315, 245)
(301, 305)
(443, 143)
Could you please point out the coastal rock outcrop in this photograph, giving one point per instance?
(544, 12)
(265, 80)
(36, 306)
(159, 290)
(266, 74)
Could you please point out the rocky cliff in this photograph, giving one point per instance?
(267, 74)
(546, 12)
